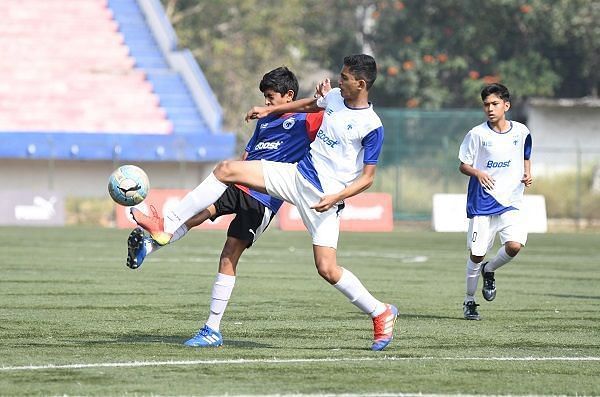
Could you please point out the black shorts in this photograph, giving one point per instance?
(252, 217)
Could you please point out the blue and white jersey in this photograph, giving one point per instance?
(348, 139)
(284, 138)
(501, 155)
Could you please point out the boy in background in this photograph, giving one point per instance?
(496, 156)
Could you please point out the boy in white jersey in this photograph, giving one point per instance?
(341, 163)
(496, 157)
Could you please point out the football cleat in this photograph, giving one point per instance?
(136, 248)
(489, 284)
(153, 224)
(206, 337)
(383, 327)
(470, 311)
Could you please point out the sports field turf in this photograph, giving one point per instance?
(75, 321)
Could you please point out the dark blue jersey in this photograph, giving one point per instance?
(283, 138)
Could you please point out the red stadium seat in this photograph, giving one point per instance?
(65, 67)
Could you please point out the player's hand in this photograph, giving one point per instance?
(323, 88)
(257, 112)
(325, 203)
(527, 180)
(485, 180)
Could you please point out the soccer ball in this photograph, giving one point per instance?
(128, 185)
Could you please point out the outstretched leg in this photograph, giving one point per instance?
(247, 173)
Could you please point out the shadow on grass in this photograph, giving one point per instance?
(430, 316)
(178, 340)
(570, 296)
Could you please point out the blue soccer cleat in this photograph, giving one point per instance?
(136, 248)
(206, 337)
(383, 327)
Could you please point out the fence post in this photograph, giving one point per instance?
(51, 165)
(578, 185)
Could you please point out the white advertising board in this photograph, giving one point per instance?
(449, 213)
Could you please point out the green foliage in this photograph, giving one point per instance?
(431, 53)
(457, 46)
(236, 42)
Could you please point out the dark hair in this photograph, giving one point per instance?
(498, 89)
(280, 80)
(363, 67)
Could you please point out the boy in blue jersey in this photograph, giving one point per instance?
(277, 138)
(340, 164)
(496, 156)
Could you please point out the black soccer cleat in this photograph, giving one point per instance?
(489, 284)
(470, 311)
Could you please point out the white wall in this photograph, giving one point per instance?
(559, 129)
(89, 178)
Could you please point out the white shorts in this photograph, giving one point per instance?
(282, 180)
(482, 231)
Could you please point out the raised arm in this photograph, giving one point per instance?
(306, 105)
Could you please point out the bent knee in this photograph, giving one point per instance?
(328, 272)
(224, 171)
(512, 248)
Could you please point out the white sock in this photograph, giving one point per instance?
(151, 246)
(472, 279)
(352, 288)
(221, 293)
(195, 201)
(501, 259)
(179, 233)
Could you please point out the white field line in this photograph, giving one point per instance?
(389, 395)
(273, 361)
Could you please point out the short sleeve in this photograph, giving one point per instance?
(323, 101)
(313, 123)
(372, 144)
(527, 147)
(253, 138)
(468, 148)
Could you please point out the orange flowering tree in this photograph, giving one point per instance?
(431, 53)
(440, 53)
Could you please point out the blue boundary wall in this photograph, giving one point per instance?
(183, 92)
(116, 147)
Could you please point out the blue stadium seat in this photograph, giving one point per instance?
(170, 88)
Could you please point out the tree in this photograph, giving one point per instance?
(440, 53)
(431, 53)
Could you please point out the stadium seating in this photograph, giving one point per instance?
(66, 68)
(74, 69)
(174, 96)
(87, 66)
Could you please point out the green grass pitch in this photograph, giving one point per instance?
(75, 321)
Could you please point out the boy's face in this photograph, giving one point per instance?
(495, 107)
(349, 85)
(273, 98)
